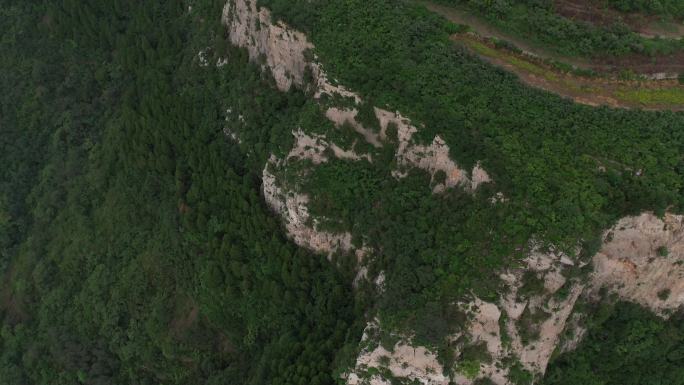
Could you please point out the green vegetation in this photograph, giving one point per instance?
(469, 368)
(531, 285)
(538, 22)
(664, 294)
(434, 250)
(471, 358)
(586, 85)
(519, 376)
(668, 96)
(540, 150)
(625, 345)
(663, 251)
(671, 8)
(529, 324)
(135, 247)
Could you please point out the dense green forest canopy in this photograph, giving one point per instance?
(625, 345)
(568, 170)
(485, 113)
(135, 247)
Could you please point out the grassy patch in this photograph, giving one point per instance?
(524, 65)
(670, 96)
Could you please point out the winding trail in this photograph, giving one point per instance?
(663, 67)
(595, 13)
(533, 67)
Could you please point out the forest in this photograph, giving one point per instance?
(544, 152)
(625, 345)
(135, 247)
(567, 170)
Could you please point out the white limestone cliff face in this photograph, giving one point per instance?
(404, 361)
(313, 147)
(293, 208)
(431, 158)
(282, 48)
(494, 323)
(642, 260)
(628, 264)
(285, 52)
(279, 48)
(496, 326)
(292, 205)
(342, 116)
(288, 55)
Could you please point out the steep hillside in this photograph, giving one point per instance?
(510, 336)
(320, 192)
(136, 248)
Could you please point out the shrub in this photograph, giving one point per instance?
(663, 251)
(469, 368)
(664, 294)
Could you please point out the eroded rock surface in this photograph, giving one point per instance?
(642, 260)
(404, 361)
(278, 47)
(293, 208)
(288, 55)
(313, 148)
(432, 158)
(501, 325)
(281, 48)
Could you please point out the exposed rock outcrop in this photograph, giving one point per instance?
(313, 148)
(277, 47)
(642, 260)
(506, 327)
(288, 55)
(293, 208)
(284, 52)
(342, 116)
(292, 205)
(280, 48)
(432, 158)
(404, 361)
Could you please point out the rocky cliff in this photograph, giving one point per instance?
(641, 259)
(283, 51)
